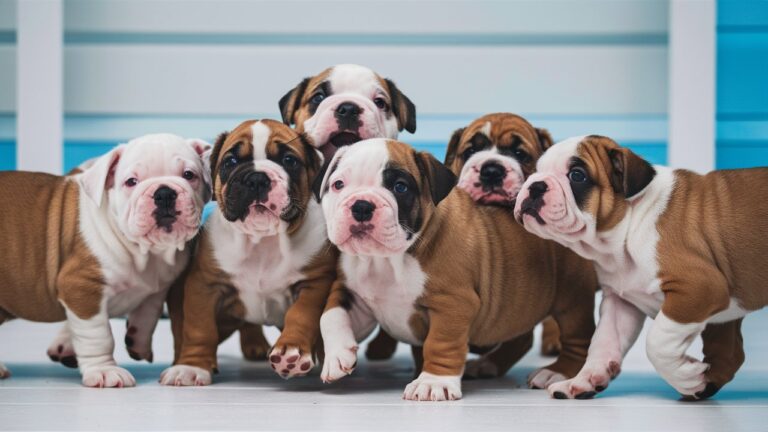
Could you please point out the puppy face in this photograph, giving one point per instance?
(378, 195)
(494, 155)
(261, 173)
(345, 104)
(581, 186)
(155, 188)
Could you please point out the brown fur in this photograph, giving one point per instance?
(44, 259)
(468, 298)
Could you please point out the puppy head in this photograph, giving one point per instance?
(581, 186)
(345, 104)
(154, 187)
(494, 155)
(378, 195)
(262, 173)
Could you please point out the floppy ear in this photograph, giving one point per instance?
(439, 178)
(99, 177)
(320, 184)
(453, 146)
(213, 161)
(290, 103)
(402, 107)
(545, 139)
(204, 149)
(314, 156)
(630, 173)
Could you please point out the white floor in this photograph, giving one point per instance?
(43, 396)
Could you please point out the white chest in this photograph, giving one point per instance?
(389, 287)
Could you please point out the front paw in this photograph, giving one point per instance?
(543, 378)
(591, 380)
(289, 361)
(183, 375)
(338, 363)
(429, 387)
(138, 345)
(687, 376)
(481, 368)
(61, 351)
(107, 376)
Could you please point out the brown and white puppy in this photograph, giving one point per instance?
(433, 269)
(344, 104)
(670, 244)
(106, 242)
(262, 256)
(492, 157)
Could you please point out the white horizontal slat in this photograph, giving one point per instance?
(208, 79)
(7, 78)
(372, 16)
(7, 15)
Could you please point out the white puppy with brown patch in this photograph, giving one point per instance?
(107, 242)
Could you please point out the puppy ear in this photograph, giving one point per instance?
(320, 184)
(100, 175)
(439, 178)
(204, 149)
(213, 161)
(291, 101)
(545, 139)
(630, 173)
(453, 146)
(402, 107)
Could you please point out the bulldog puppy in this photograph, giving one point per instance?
(262, 257)
(342, 105)
(491, 158)
(102, 243)
(438, 276)
(670, 244)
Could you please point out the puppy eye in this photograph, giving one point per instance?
(381, 103)
(131, 182)
(188, 175)
(577, 175)
(290, 161)
(230, 162)
(521, 155)
(317, 98)
(400, 187)
(468, 153)
(338, 185)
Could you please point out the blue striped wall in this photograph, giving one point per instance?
(742, 83)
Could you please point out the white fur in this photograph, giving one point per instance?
(339, 344)
(61, 346)
(430, 387)
(183, 375)
(666, 347)
(260, 138)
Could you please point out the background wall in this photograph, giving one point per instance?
(572, 66)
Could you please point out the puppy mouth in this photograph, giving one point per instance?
(531, 208)
(165, 218)
(360, 230)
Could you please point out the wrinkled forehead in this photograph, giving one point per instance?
(558, 157)
(364, 162)
(355, 79)
(259, 139)
(158, 154)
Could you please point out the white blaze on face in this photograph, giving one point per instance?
(359, 177)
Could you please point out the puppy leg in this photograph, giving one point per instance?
(417, 352)
(140, 326)
(61, 349)
(723, 352)
(550, 337)
(620, 324)
(498, 361)
(445, 347)
(382, 347)
(94, 347)
(253, 344)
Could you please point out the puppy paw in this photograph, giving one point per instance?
(61, 351)
(339, 363)
(550, 348)
(481, 368)
(4, 372)
(290, 362)
(591, 380)
(183, 375)
(107, 376)
(138, 344)
(429, 387)
(686, 375)
(543, 378)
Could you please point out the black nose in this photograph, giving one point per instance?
(347, 110)
(537, 189)
(492, 174)
(362, 210)
(165, 197)
(259, 184)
